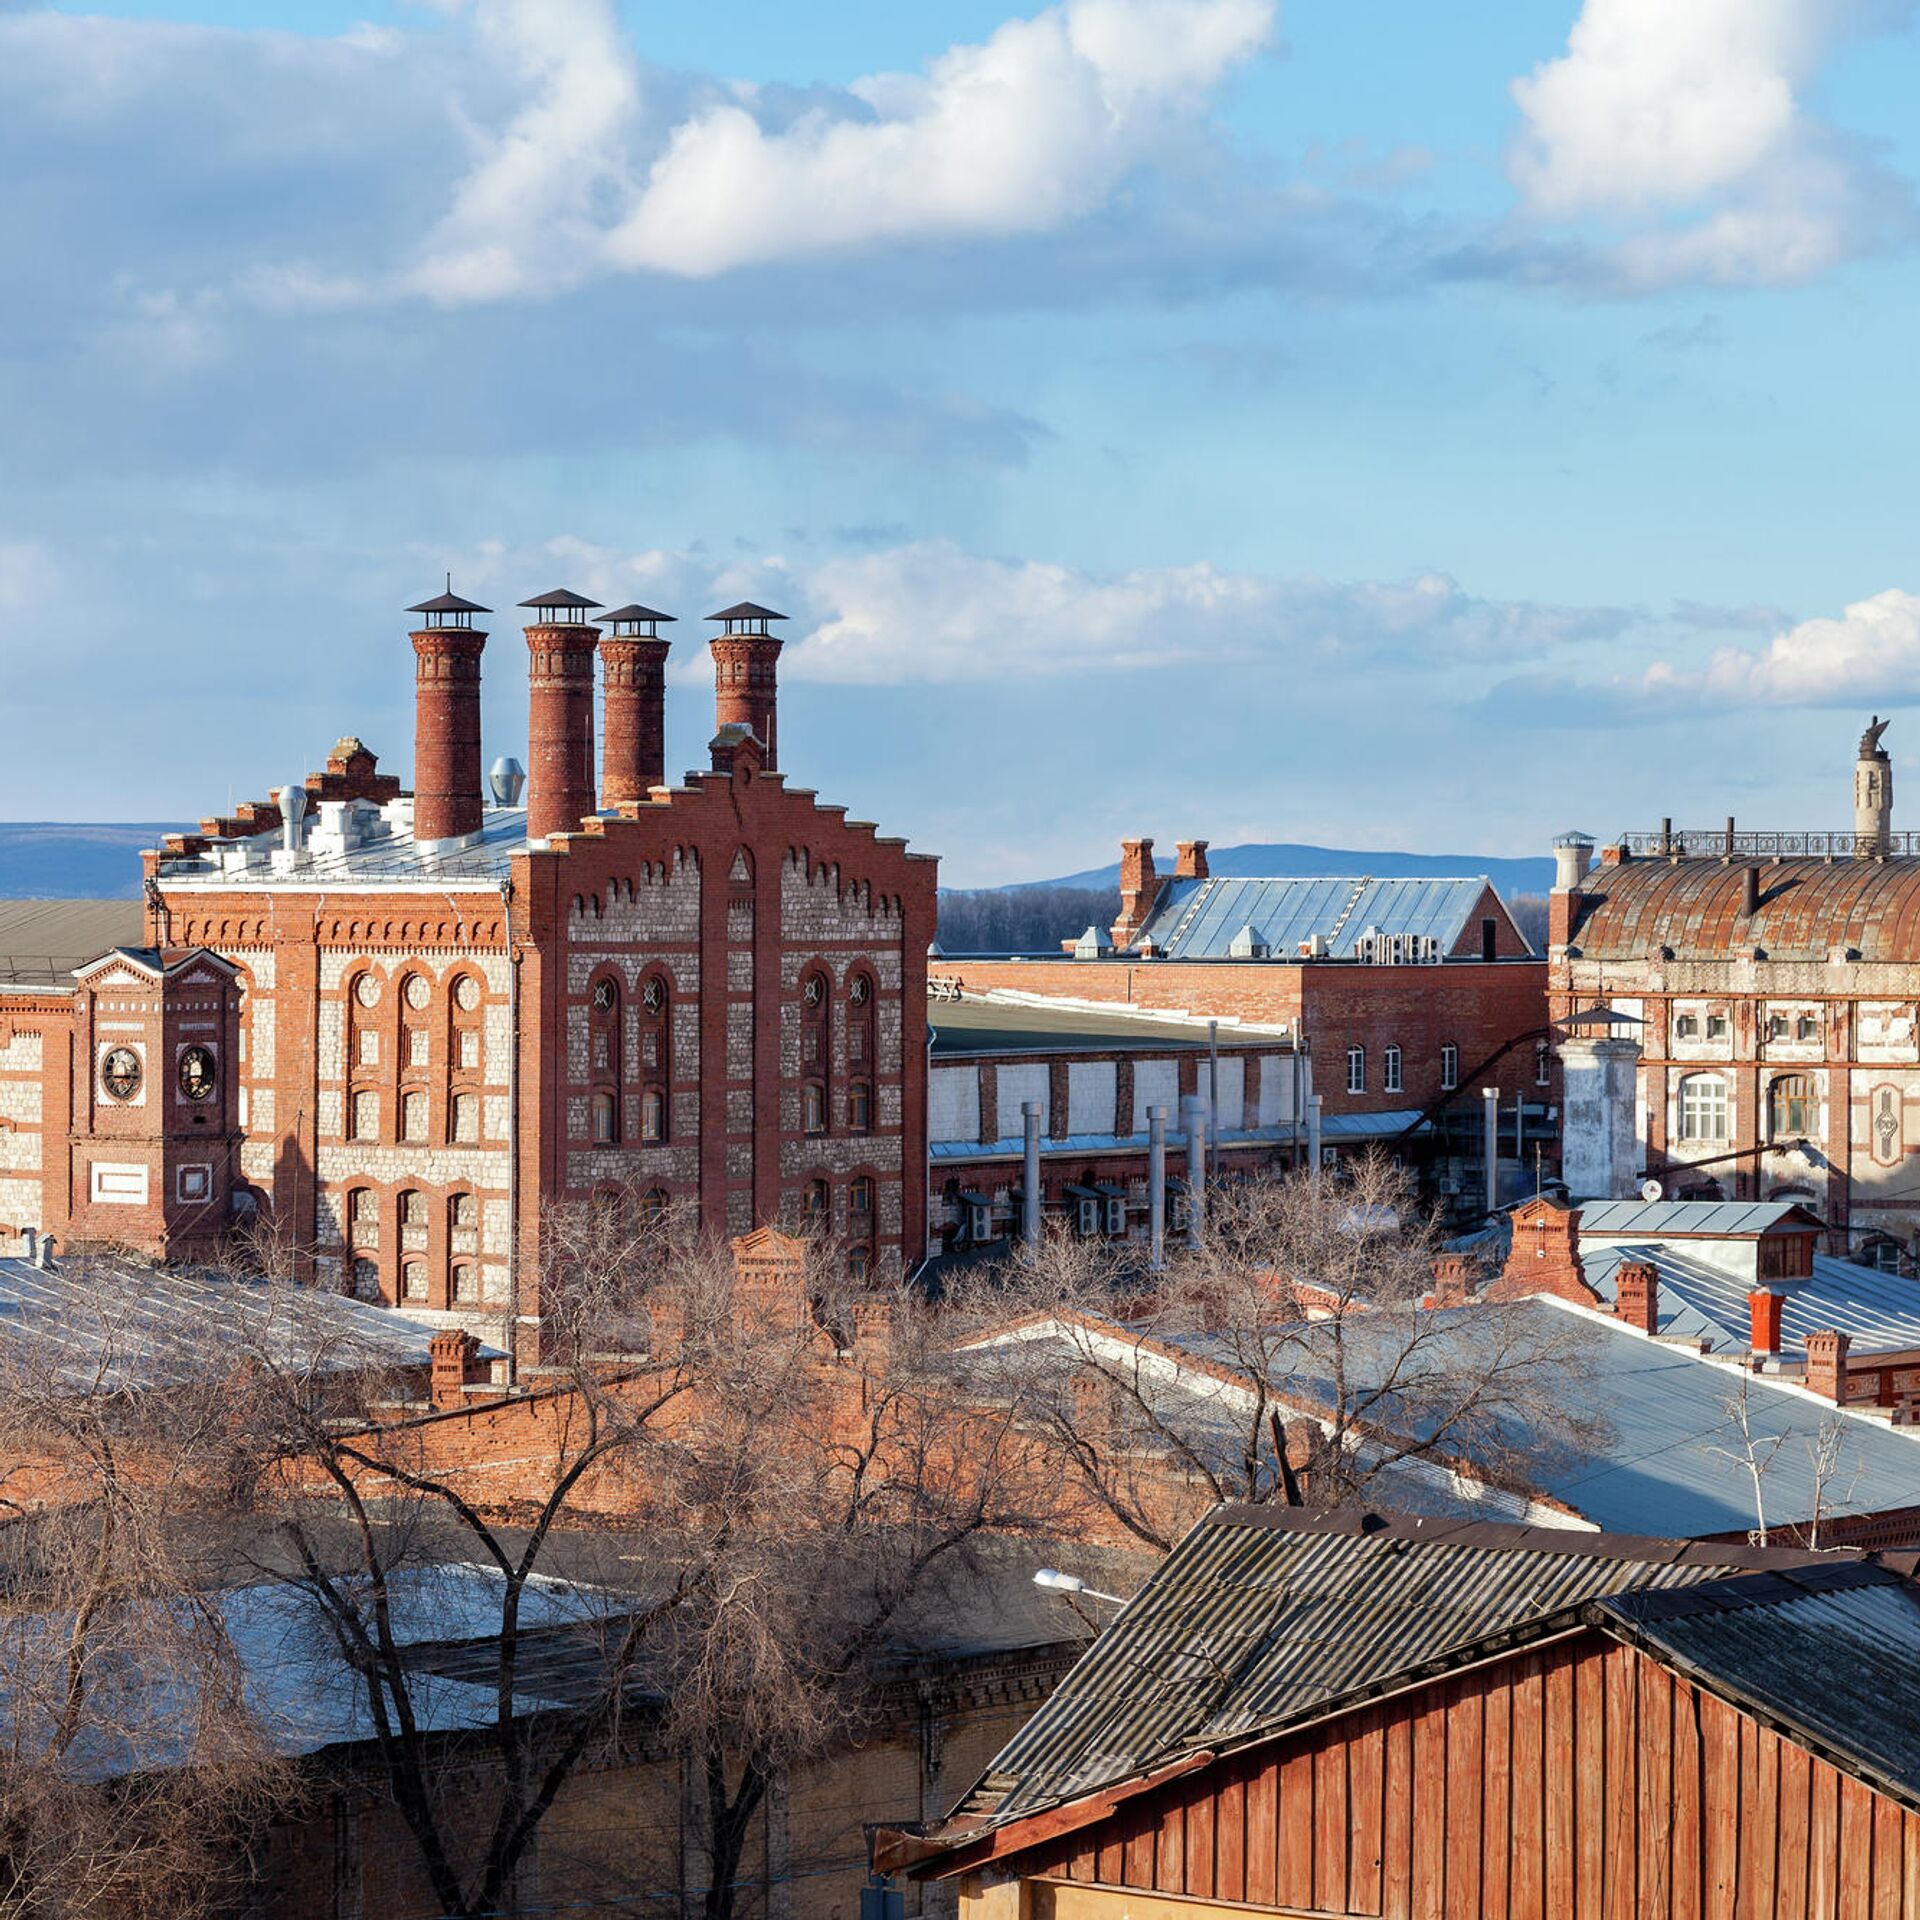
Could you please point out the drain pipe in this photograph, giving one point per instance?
(1490, 1101)
(512, 1341)
(1157, 1188)
(1196, 1107)
(1213, 1098)
(1030, 1177)
(1313, 1138)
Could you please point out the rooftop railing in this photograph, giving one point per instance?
(1727, 843)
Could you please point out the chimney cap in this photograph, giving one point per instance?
(636, 617)
(746, 614)
(448, 610)
(560, 597)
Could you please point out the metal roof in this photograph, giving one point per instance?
(746, 610)
(42, 941)
(1702, 1300)
(1261, 1617)
(637, 612)
(1659, 1451)
(560, 597)
(977, 1026)
(1695, 909)
(110, 1321)
(1655, 1219)
(1831, 1653)
(449, 603)
(1198, 919)
(389, 857)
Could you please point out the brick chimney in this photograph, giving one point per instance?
(1545, 1256)
(1139, 889)
(1452, 1280)
(1190, 860)
(745, 659)
(455, 1366)
(1827, 1365)
(1572, 859)
(446, 720)
(633, 671)
(1637, 1295)
(1763, 1309)
(559, 713)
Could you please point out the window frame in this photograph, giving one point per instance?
(1356, 1069)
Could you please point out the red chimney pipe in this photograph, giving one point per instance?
(745, 693)
(1763, 1309)
(560, 792)
(633, 663)
(446, 719)
(1637, 1295)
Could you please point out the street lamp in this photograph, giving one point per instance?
(1058, 1582)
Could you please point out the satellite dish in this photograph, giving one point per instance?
(1652, 1190)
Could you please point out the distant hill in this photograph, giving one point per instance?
(1285, 860)
(71, 860)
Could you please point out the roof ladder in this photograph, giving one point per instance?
(1198, 901)
(1346, 912)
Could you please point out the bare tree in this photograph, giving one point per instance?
(132, 1764)
(1298, 1352)
(1758, 1452)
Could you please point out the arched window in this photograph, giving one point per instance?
(416, 998)
(464, 1119)
(1793, 1110)
(653, 1114)
(413, 1221)
(860, 1201)
(366, 1279)
(603, 1030)
(1704, 1113)
(413, 1280)
(1356, 1069)
(1449, 1068)
(860, 1011)
(1542, 1063)
(653, 1207)
(813, 1107)
(604, 1112)
(816, 1201)
(816, 1023)
(413, 1115)
(363, 1220)
(366, 1116)
(465, 1286)
(656, 1035)
(859, 1263)
(860, 1107)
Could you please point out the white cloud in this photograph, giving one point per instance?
(1870, 652)
(1684, 124)
(1017, 135)
(930, 611)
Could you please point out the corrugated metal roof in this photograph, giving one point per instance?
(1700, 1300)
(1832, 1653)
(1197, 919)
(987, 1026)
(1662, 1453)
(42, 941)
(121, 1322)
(1259, 1618)
(1644, 1219)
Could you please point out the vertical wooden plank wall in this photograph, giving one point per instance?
(1578, 1782)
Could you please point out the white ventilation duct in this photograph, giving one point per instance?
(293, 815)
(506, 781)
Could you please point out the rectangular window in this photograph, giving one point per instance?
(1703, 1108)
(1776, 1026)
(1393, 1070)
(1716, 1026)
(469, 1049)
(416, 1046)
(1356, 1069)
(413, 1116)
(1449, 1068)
(1685, 1026)
(366, 1116)
(1808, 1028)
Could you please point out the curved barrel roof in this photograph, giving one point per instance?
(1696, 908)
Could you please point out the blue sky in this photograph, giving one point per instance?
(1359, 421)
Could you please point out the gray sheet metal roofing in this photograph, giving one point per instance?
(1260, 1618)
(1197, 919)
(1718, 1219)
(42, 941)
(116, 1322)
(1832, 1653)
(1699, 1300)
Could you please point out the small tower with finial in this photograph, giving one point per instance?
(1873, 795)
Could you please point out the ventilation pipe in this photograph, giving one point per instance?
(43, 1253)
(1750, 891)
(1157, 1188)
(1030, 1177)
(1196, 1111)
(1490, 1100)
(29, 1251)
(293, 816)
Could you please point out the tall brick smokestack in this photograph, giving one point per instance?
(446, 718)
(559, 713)
(744, 657)
(633, 668)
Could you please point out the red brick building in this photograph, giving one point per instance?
(1412, 996)
(1745, 1016)
(413, 1022)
